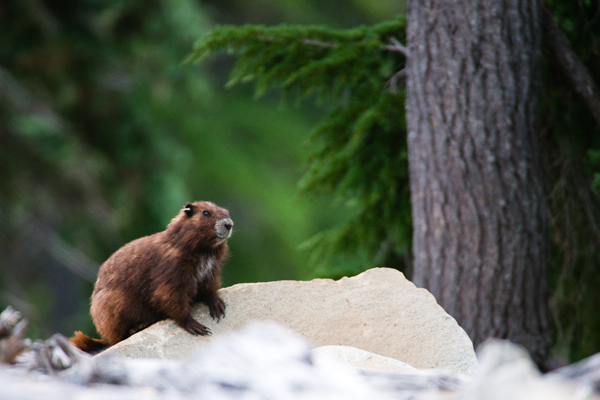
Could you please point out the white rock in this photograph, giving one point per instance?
(361, 359)
(378, 311)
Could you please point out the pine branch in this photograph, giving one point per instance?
(392, 84)
(320, 44)
(397, 46)
(570, 63)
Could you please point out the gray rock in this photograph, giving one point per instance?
(378, 311)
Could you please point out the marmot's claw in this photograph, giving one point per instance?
(217, 309)
(196, 328)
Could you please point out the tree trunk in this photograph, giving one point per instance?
(477, 195)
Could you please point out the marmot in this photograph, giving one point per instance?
(160, 276)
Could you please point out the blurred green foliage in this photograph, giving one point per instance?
(105, 135)
(572, 141)
(357, 154)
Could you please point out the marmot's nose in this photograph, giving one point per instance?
(228, 224)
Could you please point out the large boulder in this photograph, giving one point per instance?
(378, 311)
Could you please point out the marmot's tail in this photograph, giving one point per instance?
(88, 344)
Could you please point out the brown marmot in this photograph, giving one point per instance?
(160, 276)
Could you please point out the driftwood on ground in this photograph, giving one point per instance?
(12, 335)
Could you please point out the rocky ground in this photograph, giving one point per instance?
(373, 336)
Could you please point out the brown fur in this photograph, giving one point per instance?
(161, 276)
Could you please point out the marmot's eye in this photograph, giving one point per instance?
(206, 213)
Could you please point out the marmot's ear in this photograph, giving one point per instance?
(189, 209)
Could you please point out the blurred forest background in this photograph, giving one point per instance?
(105, 134)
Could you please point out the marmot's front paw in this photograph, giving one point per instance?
(196, 328)
(217, 308)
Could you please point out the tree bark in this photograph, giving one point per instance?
(479, 240)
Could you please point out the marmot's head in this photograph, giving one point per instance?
(201, 224)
